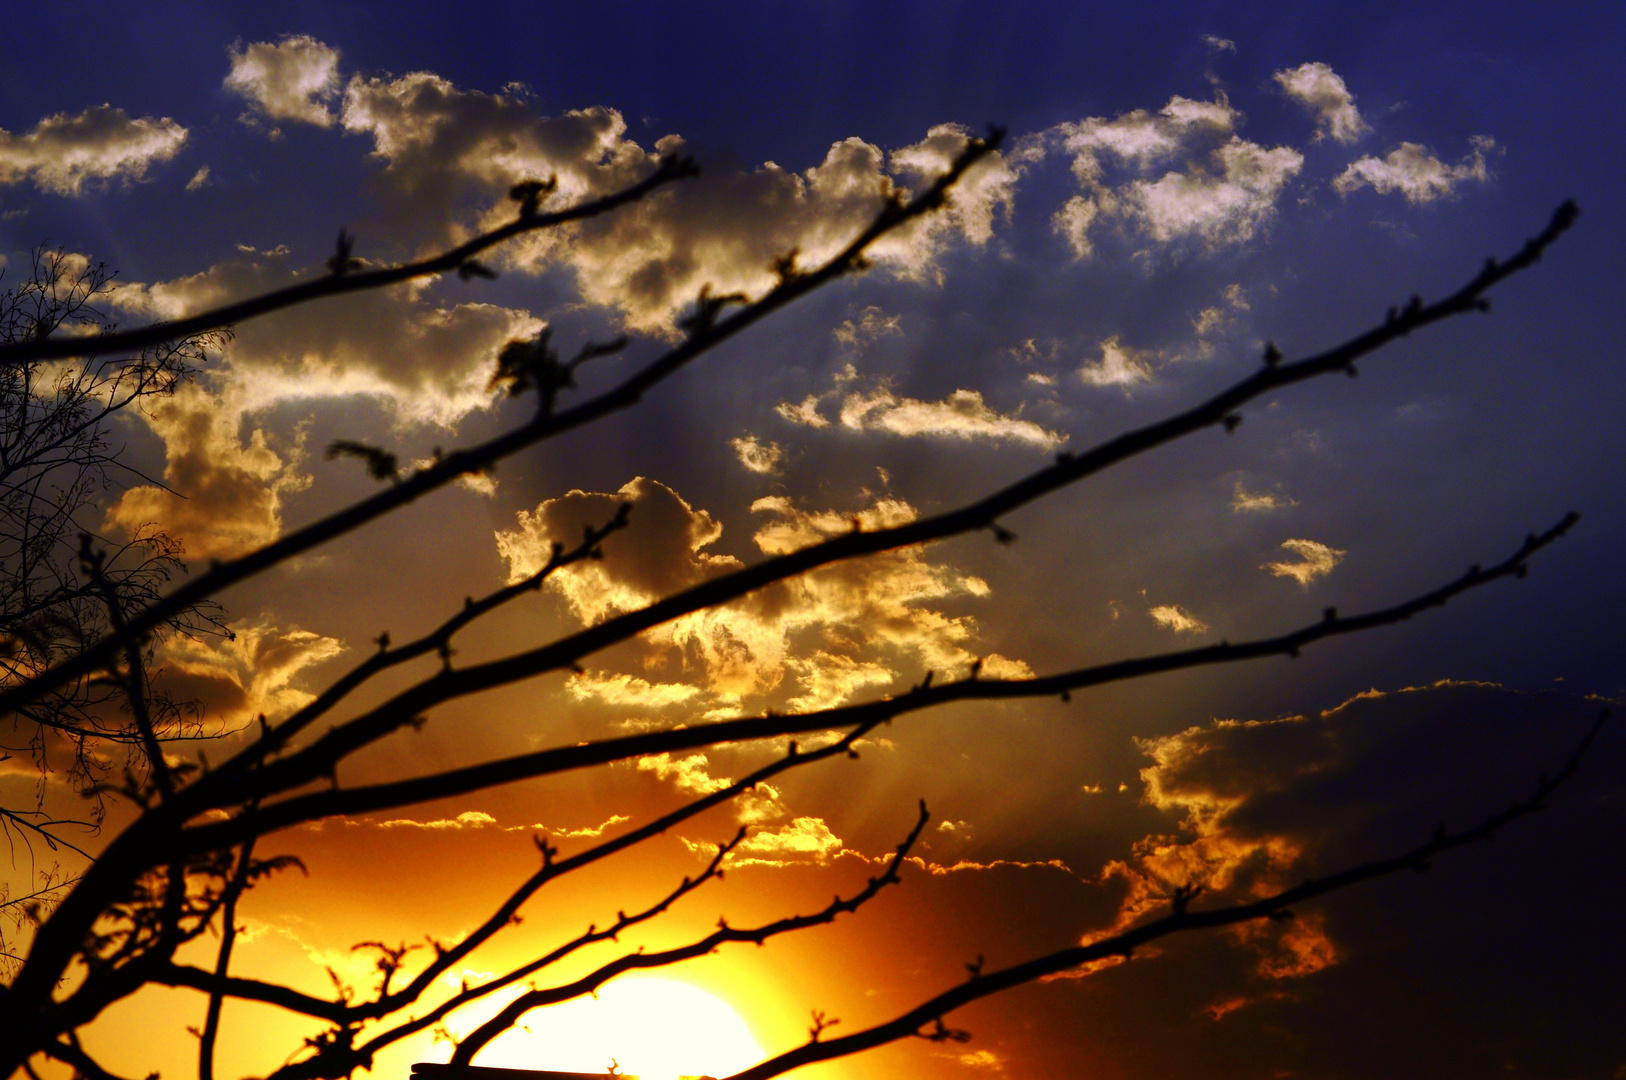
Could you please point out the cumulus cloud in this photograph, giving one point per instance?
(253, 673)
(1179, 175)
(224, 494)
(1320, 90)
(1119, 365)
(428, 362)
(1415, 173)
(806, 838)
(444, 146)
(1315, 560)
(295, 79)
(63, 152)
(757, 456)
(1177, 619)
(863, 624)
(659, 553)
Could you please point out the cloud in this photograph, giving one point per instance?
(872, 324)
(613, 688)
(1244, 501)
(1221, 205)
(659, 553)
(428, 362)
(758, 457)
(226, 493)
(1263, 804)
(1119, 365)
(829, 633)
(805, 412)
(62, 152)
(961, 415)
(1177, 619)
(1320, 90)
(251, 674)
(445, 148)
(805, 838)
(1414, 172)
(295, 79)
(200, 179)
(1179, 175)
(1315, 560)
(468, 819)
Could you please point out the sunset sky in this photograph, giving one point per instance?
(1179, 184)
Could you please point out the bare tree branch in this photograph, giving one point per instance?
(1179, 920)
(704, 334)
(374, 797)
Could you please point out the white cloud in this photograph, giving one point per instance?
(200, 179)
(295, 79)
(1179, 175)
(1415, 173)
(1222, 204)
(428, 362)
(1119, 365)
(803, 838)
(1320, 90)
(1315, 560)
(62, 152)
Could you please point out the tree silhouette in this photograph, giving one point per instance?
(57, 460)
(180, 868)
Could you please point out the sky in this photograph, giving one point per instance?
(1179, 184)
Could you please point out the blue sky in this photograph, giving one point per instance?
(1180, 184)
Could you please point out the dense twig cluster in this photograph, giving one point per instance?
(184, 863)
(57, 461)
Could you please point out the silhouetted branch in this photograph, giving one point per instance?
(1180, 919)
(343, 277)
(478, 459)
(368, 798)
(509, 1015)
(316, 759)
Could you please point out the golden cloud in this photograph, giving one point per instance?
(295, 79)
(1315, 560)
(62, 152)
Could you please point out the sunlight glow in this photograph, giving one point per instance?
(655, 1029)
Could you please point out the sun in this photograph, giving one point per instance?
(655, 1029)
